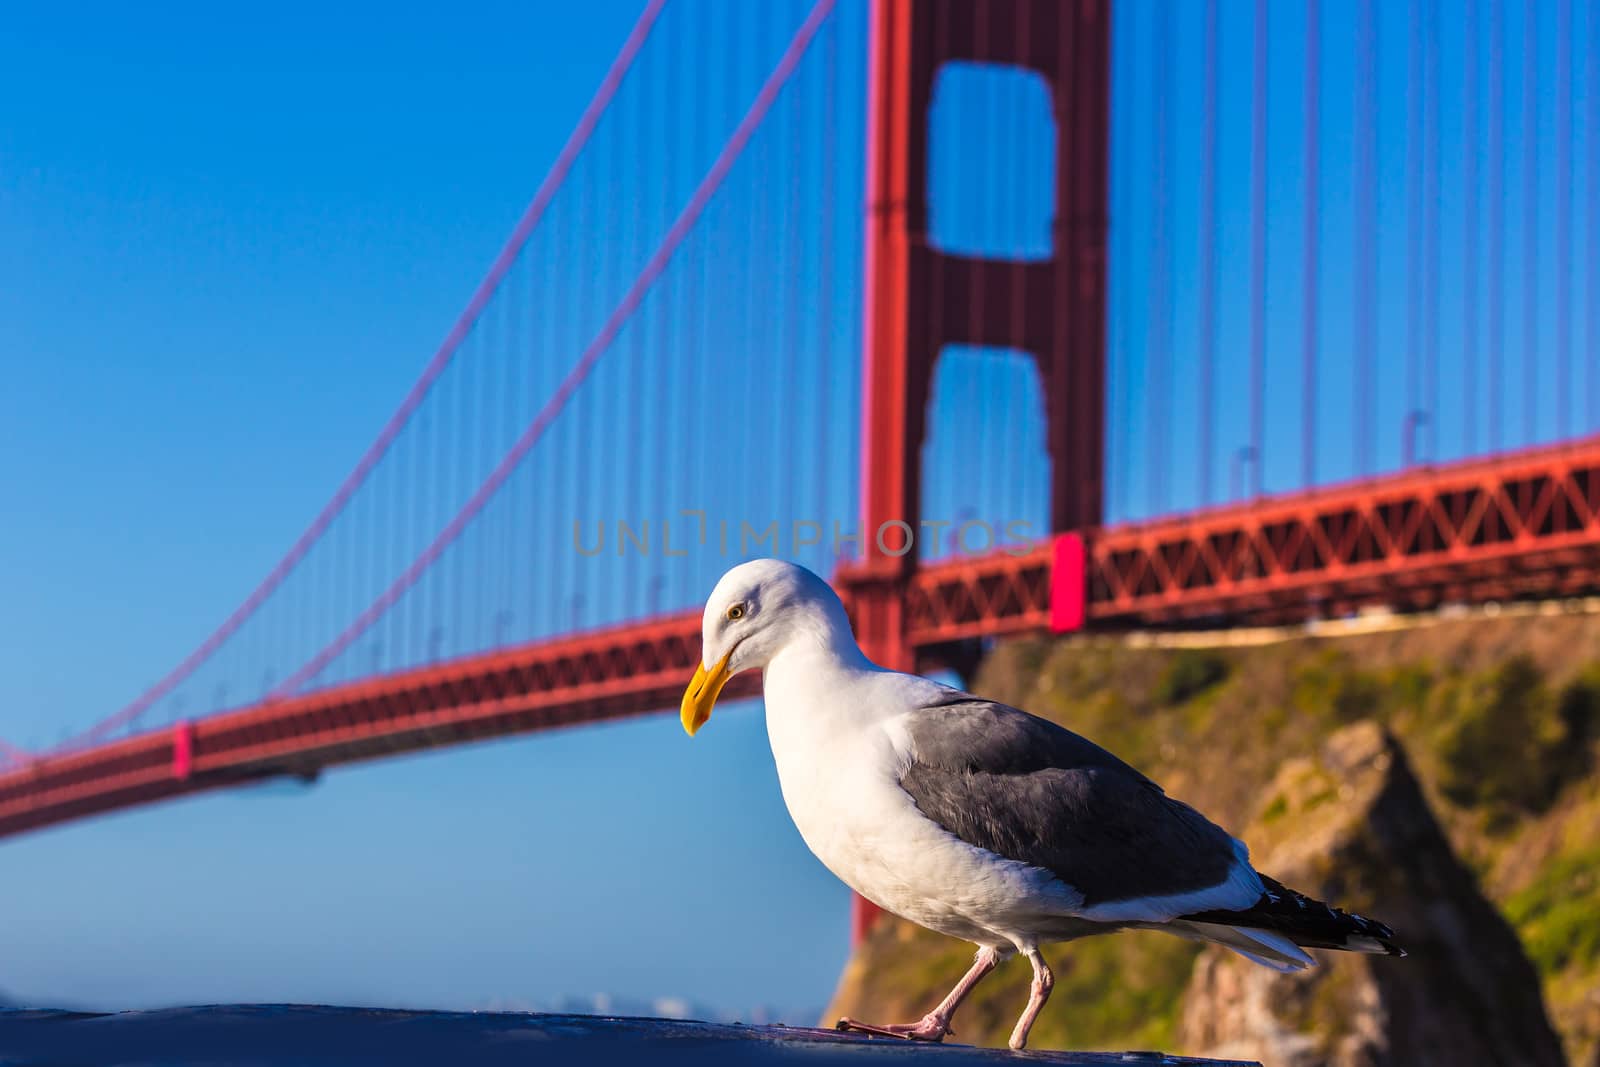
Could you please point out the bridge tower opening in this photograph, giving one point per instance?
(920, 299)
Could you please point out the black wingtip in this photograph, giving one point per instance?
(1383, 935)
(1310, 923)
(1375, 944)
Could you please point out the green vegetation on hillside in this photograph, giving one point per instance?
(1556, 914)
(1508, 742)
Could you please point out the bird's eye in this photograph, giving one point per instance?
(735, 612)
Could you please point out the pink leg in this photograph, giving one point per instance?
(1043, 982)
(936, 1024)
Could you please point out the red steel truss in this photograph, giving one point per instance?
(1517, 525)
(1525, 524)
(604, 674)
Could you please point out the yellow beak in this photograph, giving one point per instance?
(702, 693)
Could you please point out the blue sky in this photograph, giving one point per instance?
(227, 245)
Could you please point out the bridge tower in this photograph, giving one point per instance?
(919, 299)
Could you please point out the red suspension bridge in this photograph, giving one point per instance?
(973, 304)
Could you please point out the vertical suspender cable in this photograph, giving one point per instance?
(1469, 258)
(1258, 245)
(1530, 223)
(479, 566)
(1431, 228)
(1414, 228)
(555, 318)
(1208, 253)
(1564, 136)
(1497, 161)
(825, 311)
(628, 504)
(1364, 318)
(754, 317)
(470, 371)
(1308, 250)
(790, 223)
(1592, 210)
(1158, 378)
(670, 350)
(696, 302)
(514, 545)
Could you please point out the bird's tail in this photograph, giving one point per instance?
(1284, 915)
(1258, 946)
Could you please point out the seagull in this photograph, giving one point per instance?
(979, 820)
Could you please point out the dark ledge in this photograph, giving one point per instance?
(274, 1035)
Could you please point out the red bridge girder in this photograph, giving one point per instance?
(584, 678)
(1517, 525)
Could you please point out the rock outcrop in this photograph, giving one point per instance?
(1352, 826)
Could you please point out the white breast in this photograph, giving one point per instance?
(839, 765)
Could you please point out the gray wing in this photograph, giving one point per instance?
(1024, 788)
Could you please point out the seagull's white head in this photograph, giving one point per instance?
(756, 611)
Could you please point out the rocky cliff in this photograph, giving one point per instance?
(1439, 775)
(1350, 824)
